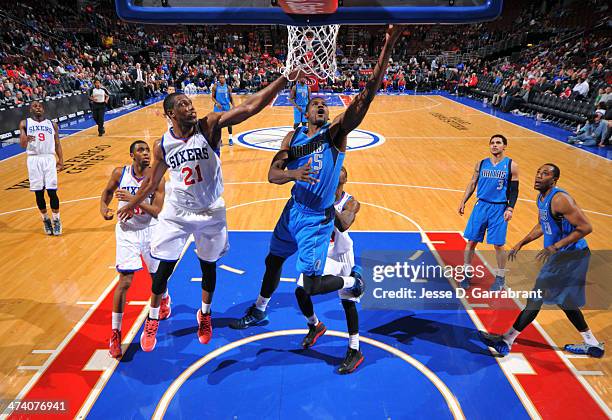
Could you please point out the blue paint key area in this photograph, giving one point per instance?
(273, 378)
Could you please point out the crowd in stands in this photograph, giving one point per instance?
(563, 74)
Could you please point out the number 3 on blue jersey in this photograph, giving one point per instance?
(500, 183)
(318, 161)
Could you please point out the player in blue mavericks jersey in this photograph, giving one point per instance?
(497, 179)
(222, 98)
(566, 256)
(299, 97)
(312, 157)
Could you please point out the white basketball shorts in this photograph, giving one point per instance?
(175, 224)
(131, 244)
(42, 172)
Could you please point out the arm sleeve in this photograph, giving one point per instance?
(513, 190)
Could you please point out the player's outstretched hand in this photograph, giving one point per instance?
(303, 173)
(123, 195)
(107, 213)
(296, 74)
(394, 32)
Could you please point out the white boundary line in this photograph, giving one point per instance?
(231, 269)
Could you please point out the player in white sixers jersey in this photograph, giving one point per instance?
(133, 235)
(189, 150)
(497, 178)
(566, 255)
(341, 262)
(40, 137)
(222, 97)
(299, 97)
(312, 158)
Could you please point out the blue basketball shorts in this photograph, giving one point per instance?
(487, 217)
(305, 231)
(562, 279)
(299, 117)
(224, 107)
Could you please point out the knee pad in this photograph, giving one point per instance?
(160, 279)
(40, 200)
(53, 199)
(209, 275)
(311, 284)
(534, 304)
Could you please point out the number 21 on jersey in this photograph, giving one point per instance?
(188, 174)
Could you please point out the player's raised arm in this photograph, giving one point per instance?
(469, 190)
(356, 111)
(107, 193)
(251, 106)
(149, 184)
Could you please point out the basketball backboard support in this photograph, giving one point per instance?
(251, 12)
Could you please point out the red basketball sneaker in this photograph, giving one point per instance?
(115, 345)
(147, 338)
(164, 308)
(204, 327)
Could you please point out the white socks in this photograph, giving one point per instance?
(165, 295)
(45, 216)
(354, 341)
(313, 320)
(55, 216)
(154, 313)
(348, 281)
(589, 338)
(510, 336)
(262, 303)
(117, 317)
(205, 308)
(500, 272)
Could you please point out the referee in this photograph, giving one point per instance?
(99, 98)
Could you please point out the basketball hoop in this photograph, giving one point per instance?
(312, 49)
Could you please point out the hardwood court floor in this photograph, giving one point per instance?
(432, 144)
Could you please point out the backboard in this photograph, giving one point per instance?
(249, 12)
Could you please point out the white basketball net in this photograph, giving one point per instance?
(313, 49)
